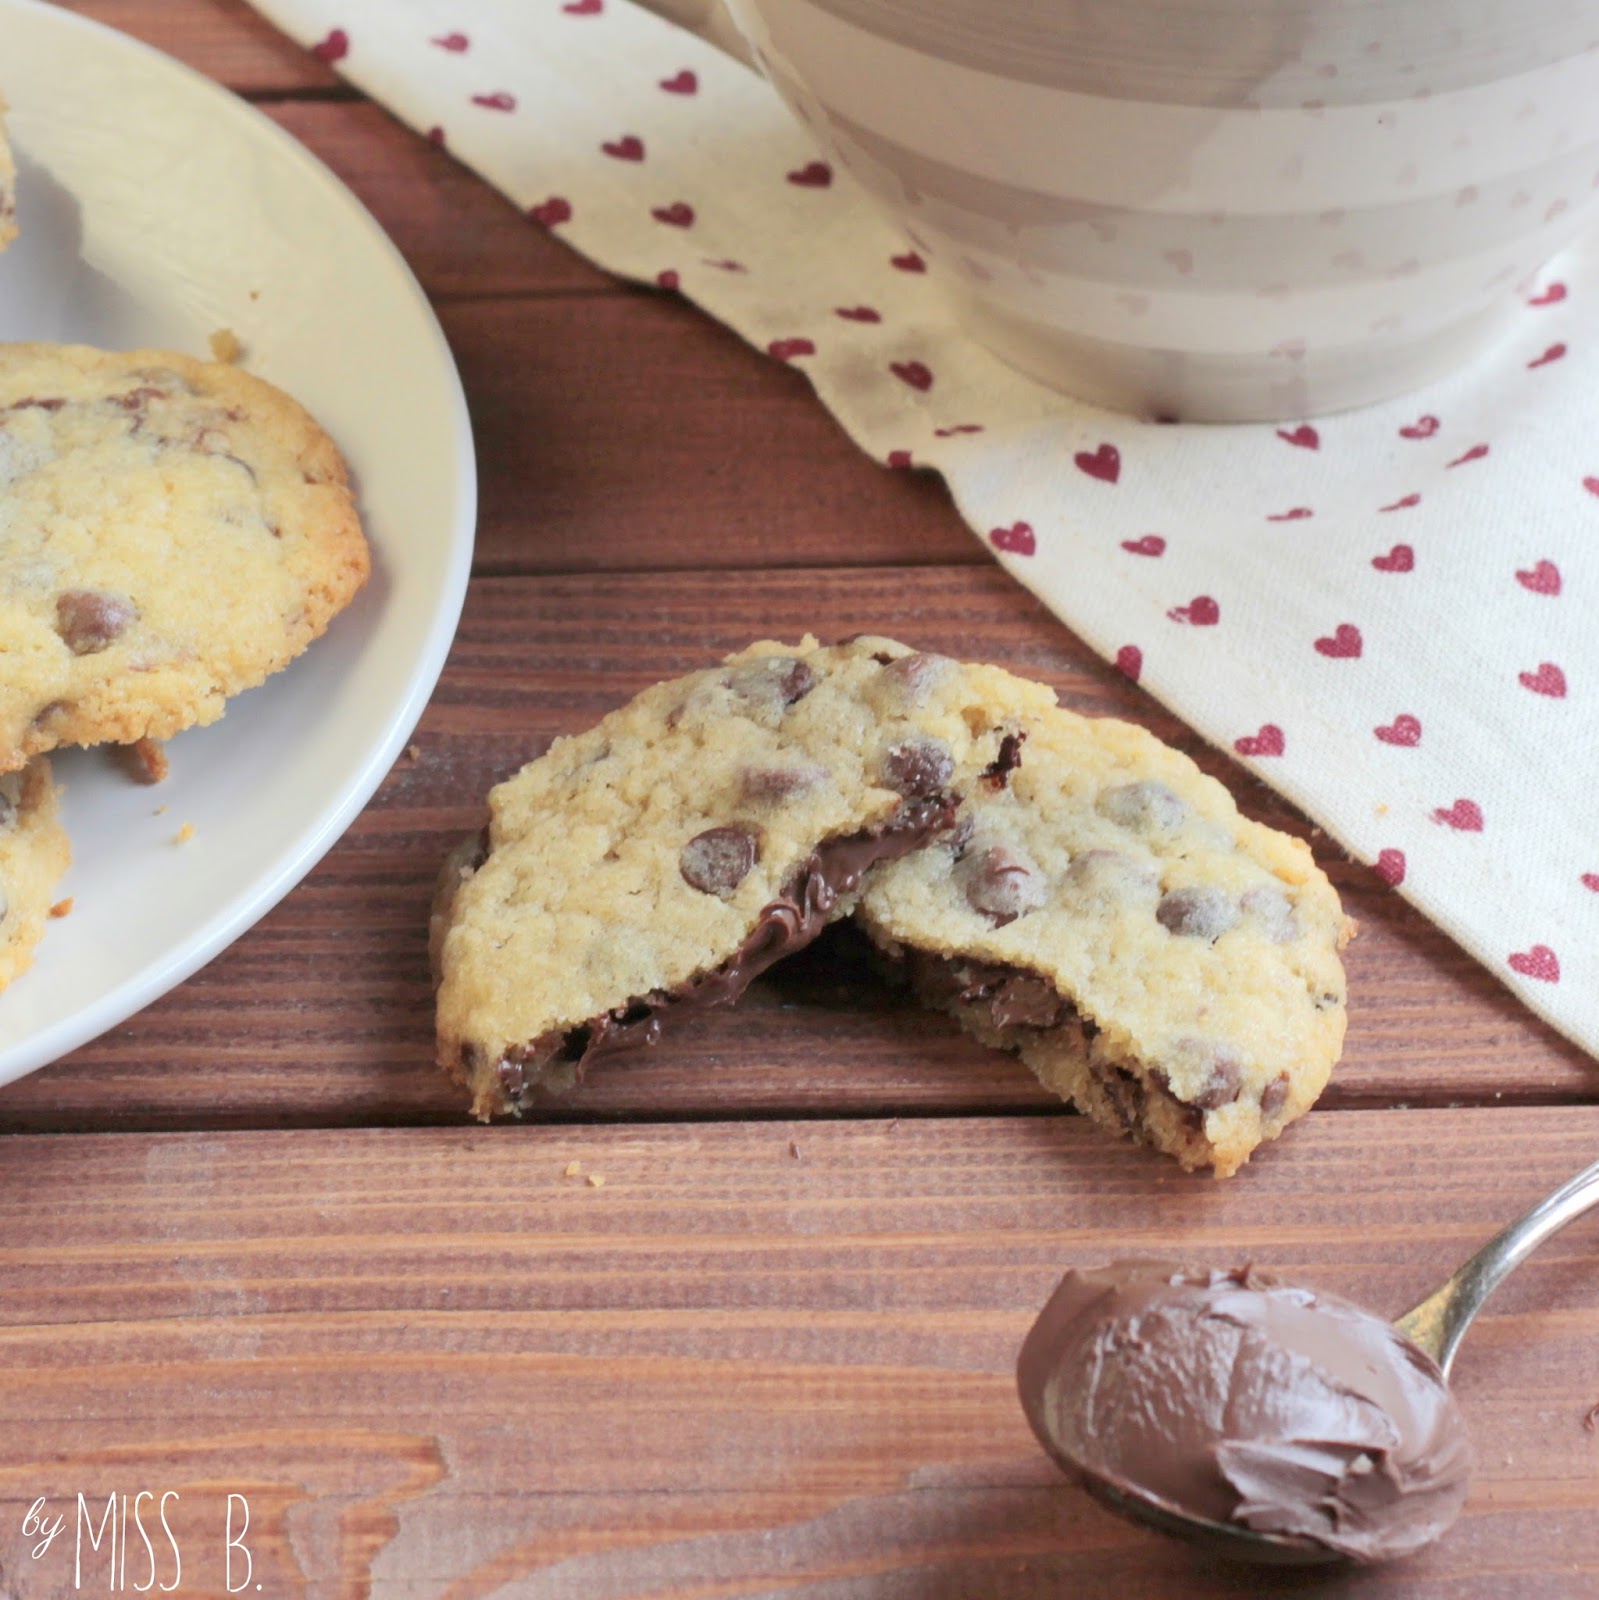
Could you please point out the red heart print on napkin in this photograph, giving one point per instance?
(677, 215)
(1403, 504)
(857, 313)
(628, 148)
(1400, 559)
(1130, 661)
(813, 175)
(1345, 642)
(1423, 427)
(1553, 353)
(915, 373)
(1390, 867)
(1463, 815)
(1150, 545)
(909, 262)
(1105, 463)
(1017, 539)
(1304, 436)
(1590, 880)
(583, 8)
(1268, 742)
(1548, 680)
(552, 212)
(1552, 296)
(500, 100)
(1201, 611)
(1475, 453)
(1297, 514)
(1404, 730)
(1541, 579)
(455, 43)
(335, 47)
(790, 349)
(684, 82)
(1539, 962)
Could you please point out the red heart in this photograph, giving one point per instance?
(1553, 353)
(1400, 559)
(583, 8)
(684, 82)
(676, 215)
(1201, 611)
(551, 212)
(628, 148)
(1590, 880)
(1345, 642)
(1017, 538)
(857, 313)
(1268, 742)
(909, 262)
(498, 101)
(1130, 661)
(1548, 679)
(333, 48)
(813, 175)
(1403, 730)
(456, 42)
(913, 373)
(1465, 815)
(789, 349)
(436, 136)
(1304, 436)
(1542, 579)
(1552, 296)
(1421, 428)
(1403, 505)
(1591, 485)
(1390, 867)
(899, 458)
(1105, 463)
(1475, 453)
(1150, 545)
(1539, 962)
(1298, 514)
(667, 279)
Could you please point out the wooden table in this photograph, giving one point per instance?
(250, 1245)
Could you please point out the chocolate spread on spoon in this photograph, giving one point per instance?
(1229, 1397)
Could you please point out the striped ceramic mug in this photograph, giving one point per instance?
(1212, 209)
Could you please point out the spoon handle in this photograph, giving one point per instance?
(1440, 1321)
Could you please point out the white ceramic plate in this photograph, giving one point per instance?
(156, 208)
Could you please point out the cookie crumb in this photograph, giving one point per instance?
(184, 834)
(225, 346)
(413, 752)
(144, 761)
(62, 908)
(160, 811)
(1382, 810)
(574, 1169)
(596, 1181)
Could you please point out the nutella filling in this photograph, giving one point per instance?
(786, 924)
(1232, 1398)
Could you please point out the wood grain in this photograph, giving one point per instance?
(322, 1014)
(436, 1365)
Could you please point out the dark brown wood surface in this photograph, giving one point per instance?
(249, 1244)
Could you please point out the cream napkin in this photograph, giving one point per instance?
(1391, 616)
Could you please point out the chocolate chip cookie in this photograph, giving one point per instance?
(1101, 908)
(174, 532)
(33, 855)
(717, 822)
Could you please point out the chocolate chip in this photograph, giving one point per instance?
(917, 768)
(1270, 909)
(1001, 882)
(997, 773)
(1213, 1071)
(1146, 807)
(718, 860)
(136, 400)
(1201, 913)
(1124, 1092)
(907, 680)
(1028, 1001)
(782, 680)
(1274, 1096)
(771, 785)
(88, 621)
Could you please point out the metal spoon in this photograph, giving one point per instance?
(1436, 1326)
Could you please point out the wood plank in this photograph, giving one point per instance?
(322, 1013)
(631, 432)
(431, 1362)
(226, 39)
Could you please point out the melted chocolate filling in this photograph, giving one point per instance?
(787, 924)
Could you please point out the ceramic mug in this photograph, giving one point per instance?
(1218, 210)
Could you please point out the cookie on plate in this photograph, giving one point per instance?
(659, 861)
(174, 532)
(1162, 962)
(33, 854)
(8, 185)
